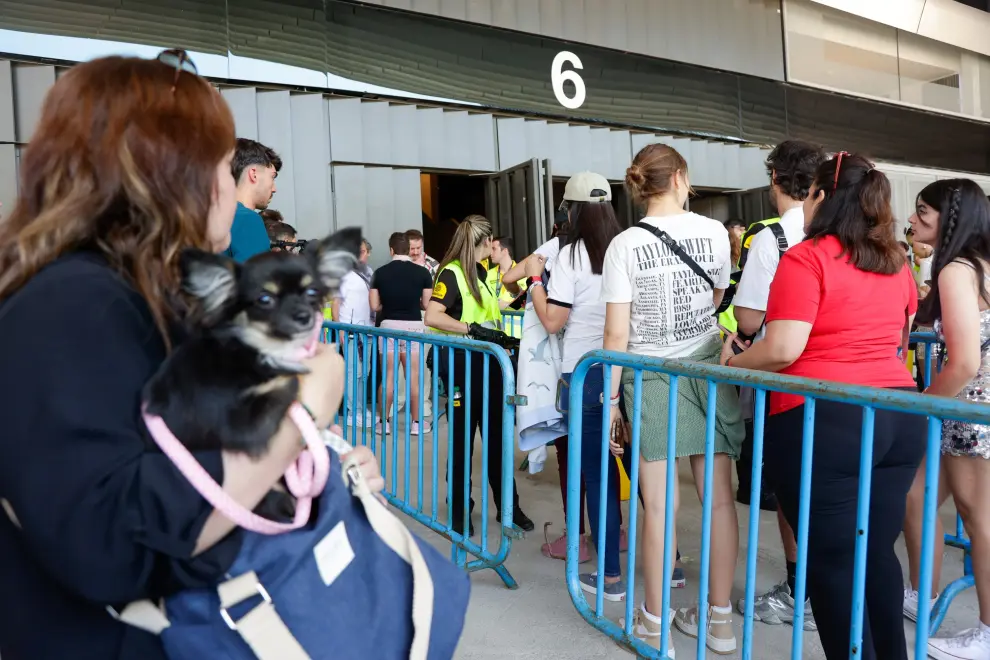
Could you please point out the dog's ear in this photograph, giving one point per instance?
(211, 279)
(335, 255)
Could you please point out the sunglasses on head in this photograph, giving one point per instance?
(180, 60)
(838, 168)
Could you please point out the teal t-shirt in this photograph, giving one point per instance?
(247, 235)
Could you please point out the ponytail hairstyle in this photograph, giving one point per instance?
(856, 210)
(963, 235)
(470, 234)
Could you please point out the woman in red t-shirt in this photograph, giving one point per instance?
(840, 305)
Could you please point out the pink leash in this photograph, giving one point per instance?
(306, 477)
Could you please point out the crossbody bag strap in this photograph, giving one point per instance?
(262, 629)
(678, 251)
(778, 233)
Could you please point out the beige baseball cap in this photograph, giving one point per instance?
(587, 187)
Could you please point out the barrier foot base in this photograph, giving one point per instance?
(941, 607)
(503, 572)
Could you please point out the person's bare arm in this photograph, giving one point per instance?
(749, 321)
(959, 295)
(782, 346)
(510, 280)
(425, 299)
(375, 300)
(616, 337)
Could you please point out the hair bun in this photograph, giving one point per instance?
(634, 175)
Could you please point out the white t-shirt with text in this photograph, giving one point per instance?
(671, 306)
(573, 285)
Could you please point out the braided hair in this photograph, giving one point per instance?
(964, 235)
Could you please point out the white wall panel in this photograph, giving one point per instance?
(380, 200)
(311, 165)
(571, 148)
(275, 131)
(244, 107)
(402, 134)
(30, 84)
(7, 133)
(8, 178)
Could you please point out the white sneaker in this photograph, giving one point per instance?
(648, 630)
(972, 644)
(911, 604)
(720, 636)
(416, 428)
(388, 429)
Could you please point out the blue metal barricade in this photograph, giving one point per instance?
(928, 346)
(413, 476)
(935, 409)
(512, 322)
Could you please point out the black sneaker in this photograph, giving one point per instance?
(519, 519)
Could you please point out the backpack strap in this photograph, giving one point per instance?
(778, 233)
(678, 251)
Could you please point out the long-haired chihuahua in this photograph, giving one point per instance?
(231, 383)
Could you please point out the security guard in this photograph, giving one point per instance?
(502, 262)
(464, 303)
(726, 316)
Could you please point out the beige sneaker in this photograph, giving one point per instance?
(647, 631)
(720, 637)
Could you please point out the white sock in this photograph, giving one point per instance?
(985, 628)
(655, 619)
(722, 610)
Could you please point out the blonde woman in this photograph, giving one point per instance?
(463, 303)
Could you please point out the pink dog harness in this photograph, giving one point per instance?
(306, 477)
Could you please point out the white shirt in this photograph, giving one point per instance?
(576, 287)
(549, 251)
(924, 272)
(753, 289)
(671, 307)
(355, 306)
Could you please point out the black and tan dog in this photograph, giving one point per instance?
(230, 385)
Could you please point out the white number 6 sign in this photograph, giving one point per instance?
(558, 77)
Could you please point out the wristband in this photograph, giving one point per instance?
(535, 281)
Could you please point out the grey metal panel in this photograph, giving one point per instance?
(8, 178)
(275, 130)
(244, 107)
(456, 134)
(311, 162)
(403, 144)
(30, 84)
(573, 148)
(481, 146)
(346, 130)
(376, 132)
(737, 35)
(7, 133)
(429, 129)
(380, 200)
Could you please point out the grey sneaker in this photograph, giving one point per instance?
(615, 592)
(777, 606)
(720, 637)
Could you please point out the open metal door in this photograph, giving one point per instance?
(519, 203)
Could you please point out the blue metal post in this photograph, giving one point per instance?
(804, 512)
(602, 492)
(862, 534)
(668, 511)
(484, 462)
(422, 420)
(932, 460)
(706, 521)
(633, 492)
(752, 544)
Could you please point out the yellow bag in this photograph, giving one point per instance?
(623, 481)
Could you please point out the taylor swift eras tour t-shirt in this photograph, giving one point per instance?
(671, 306)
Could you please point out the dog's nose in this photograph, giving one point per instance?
(303, 317)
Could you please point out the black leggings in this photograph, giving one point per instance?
(898, 447)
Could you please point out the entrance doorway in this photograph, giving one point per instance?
(448, 199)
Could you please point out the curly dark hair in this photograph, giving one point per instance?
(792, 165)
(251, 152)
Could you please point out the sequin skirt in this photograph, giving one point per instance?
(964, 439)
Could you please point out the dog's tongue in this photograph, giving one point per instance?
(309, 350)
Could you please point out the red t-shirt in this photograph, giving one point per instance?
(857, 318)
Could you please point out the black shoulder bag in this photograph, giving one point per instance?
(678, 251)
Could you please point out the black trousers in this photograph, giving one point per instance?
(898, 447)
(477, 391)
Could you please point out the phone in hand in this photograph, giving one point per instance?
(736, 348)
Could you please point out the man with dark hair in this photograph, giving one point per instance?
(500, 263)
(283, 237)
(418, 254)
(271, 217)
(254, 167)
(791, 167)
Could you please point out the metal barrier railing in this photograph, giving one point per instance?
(958, 539)
(368, 352)
(512, 322)
(870, 399)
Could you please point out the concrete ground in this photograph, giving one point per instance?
(538, 620)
